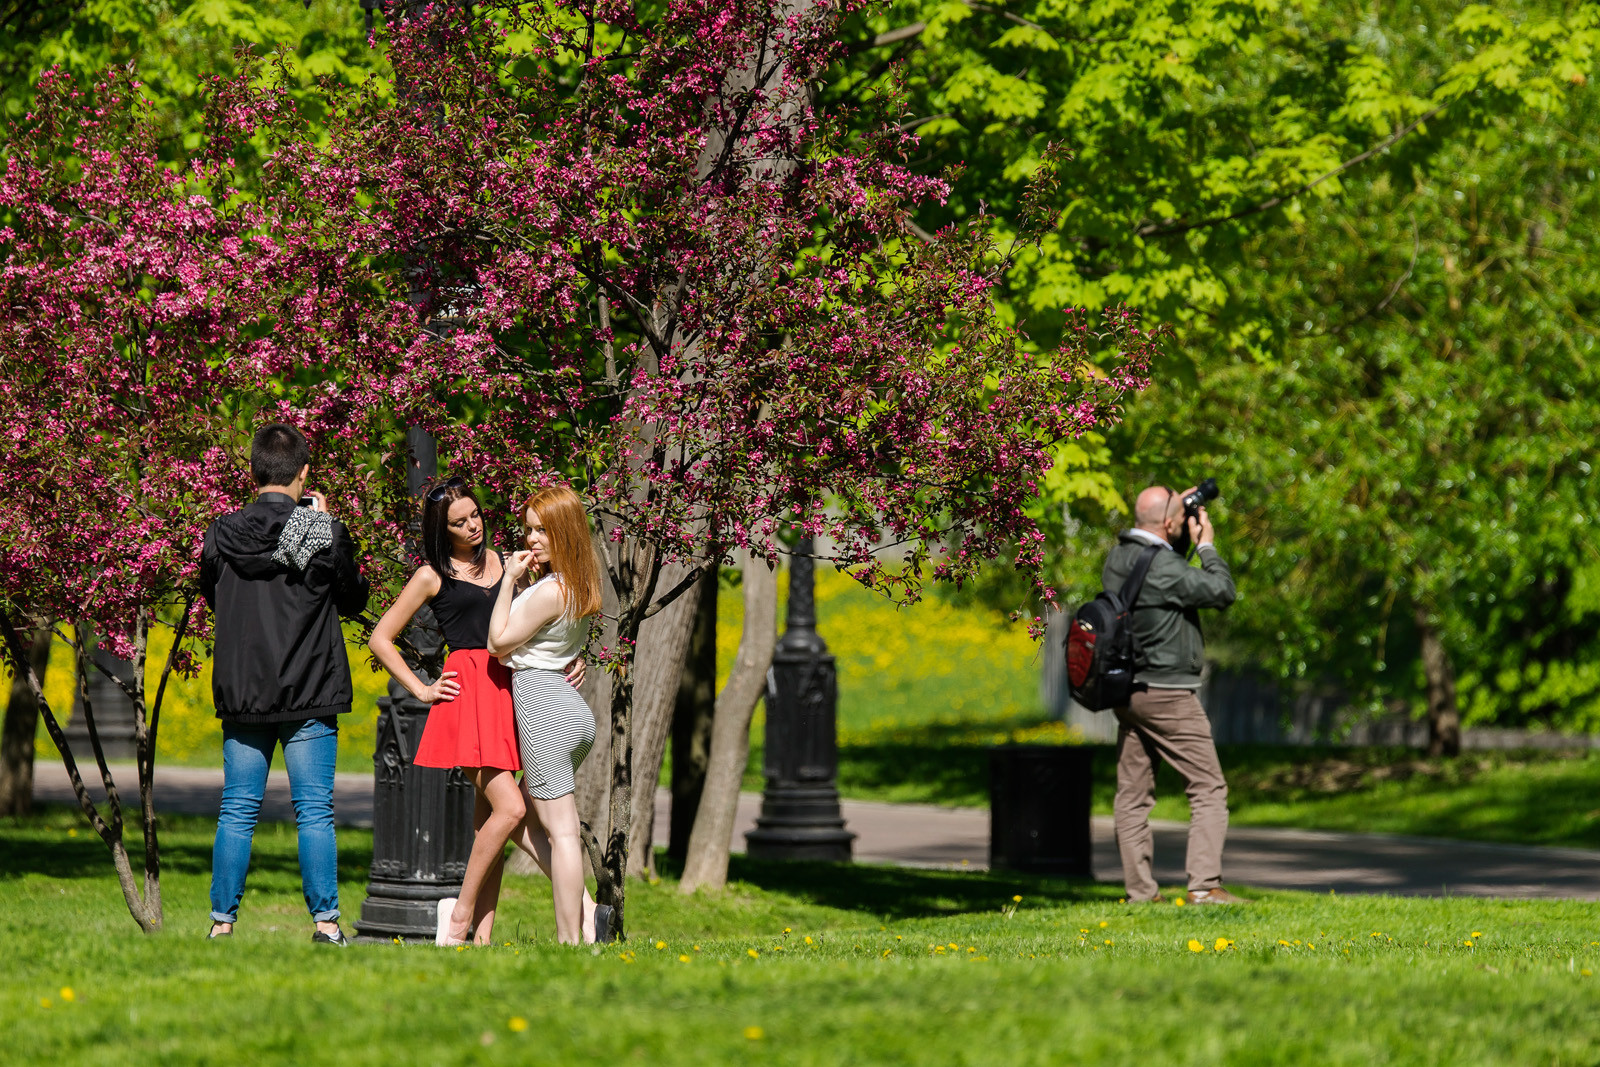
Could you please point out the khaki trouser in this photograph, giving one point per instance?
(1170, 725)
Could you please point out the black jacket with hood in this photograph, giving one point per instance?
(278, 578)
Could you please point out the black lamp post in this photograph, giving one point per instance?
(421, 816)
(800, 817)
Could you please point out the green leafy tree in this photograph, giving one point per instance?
(176, 47)
(1411, 483)
(1275, 179)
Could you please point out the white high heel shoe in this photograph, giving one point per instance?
(441, 933)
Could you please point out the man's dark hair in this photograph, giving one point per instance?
(277, 453)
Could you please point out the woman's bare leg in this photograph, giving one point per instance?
(560, 820)
(506, 810)
(483, 908)
(532, 839)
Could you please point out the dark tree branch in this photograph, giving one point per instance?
(887, 37)
(679, 589)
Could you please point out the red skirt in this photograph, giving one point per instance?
(477, 728)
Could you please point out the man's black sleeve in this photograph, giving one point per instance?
(210, 568)
(350, 586)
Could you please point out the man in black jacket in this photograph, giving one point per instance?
(278, 577)
(1164, 719)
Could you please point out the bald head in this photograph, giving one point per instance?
(1150, 510)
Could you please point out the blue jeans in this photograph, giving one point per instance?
(310, 747)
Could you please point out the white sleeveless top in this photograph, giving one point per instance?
(553, 645)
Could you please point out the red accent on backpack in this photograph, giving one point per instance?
(1080, 652)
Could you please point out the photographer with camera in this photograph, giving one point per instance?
(1163, 719)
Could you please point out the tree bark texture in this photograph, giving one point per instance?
(21, 725)
(1444, 716)
(706, 866)
(692, 716)
(658, 673)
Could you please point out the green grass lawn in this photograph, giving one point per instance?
(794, 964)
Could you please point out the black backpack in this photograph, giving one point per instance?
(1101, 646)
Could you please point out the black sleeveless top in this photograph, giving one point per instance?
(463, 609)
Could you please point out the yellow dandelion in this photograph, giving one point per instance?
(752, 953)
(1195, 946)
(661, 944)
(954, 945)
(1016, 898)
(887, 952)
(1083, 929)
(1108, 942)
(684, 958)
(898, 937)
(972, 948)
(517, 1024)
(754, 1033)
(44, 1002)
(67, 994)
(1104, 924)
(72, 832)
(1179, 901)
(1475, 934)
(1586, 972)
(461, 948)
(786, 929)
(1222, 943)
(809, 941)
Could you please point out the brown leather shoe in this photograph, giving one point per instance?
(1215, 896)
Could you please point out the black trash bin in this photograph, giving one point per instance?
(1039, 809)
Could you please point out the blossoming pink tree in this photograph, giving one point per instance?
(135, 356)
(577, 246)
(669, 280)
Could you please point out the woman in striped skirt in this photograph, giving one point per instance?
(536, 632)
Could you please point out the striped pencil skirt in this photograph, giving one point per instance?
(555, 730)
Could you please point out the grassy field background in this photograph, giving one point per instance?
(793, 964)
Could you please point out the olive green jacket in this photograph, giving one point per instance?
(1166, 616)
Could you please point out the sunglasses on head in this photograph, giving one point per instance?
(439, 492)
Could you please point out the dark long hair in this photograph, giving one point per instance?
(436, 530)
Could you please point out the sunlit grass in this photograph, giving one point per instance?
(793, 964)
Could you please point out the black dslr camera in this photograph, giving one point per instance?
(1193, 501)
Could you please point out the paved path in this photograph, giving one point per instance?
(917, 835)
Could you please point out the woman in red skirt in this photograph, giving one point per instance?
(471, 725)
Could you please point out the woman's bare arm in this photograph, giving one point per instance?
(423, 586)
(511, 627)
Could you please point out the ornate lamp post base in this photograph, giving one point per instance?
(421, 829)
(800, 822)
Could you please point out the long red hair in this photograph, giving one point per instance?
(566, 525)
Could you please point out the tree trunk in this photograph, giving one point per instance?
(691, 720)
(1444, 717)
(657, 677)
(21, 723)
(706, 865)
